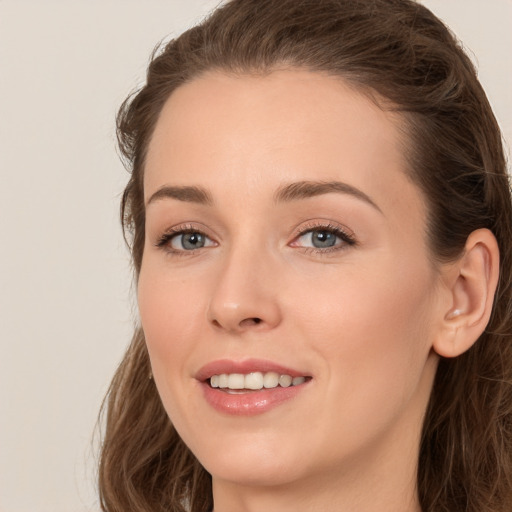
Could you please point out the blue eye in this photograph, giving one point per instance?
(324, 238)
(184, 240)
(188, 241)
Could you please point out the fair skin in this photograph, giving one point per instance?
(335, 283)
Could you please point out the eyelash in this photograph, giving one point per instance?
(348, 239)
(164, 241)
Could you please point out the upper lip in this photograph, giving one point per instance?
(245, 366)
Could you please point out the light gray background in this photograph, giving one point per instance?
(65, 285)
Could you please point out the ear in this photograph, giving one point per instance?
(471, 284)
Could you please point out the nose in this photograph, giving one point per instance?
(246, 294)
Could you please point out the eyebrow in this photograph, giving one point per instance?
(189, 194)
(306, 189)
(285, 193)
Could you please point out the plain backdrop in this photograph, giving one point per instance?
(66, 304)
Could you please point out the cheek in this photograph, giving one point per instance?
(374, 331)
(170, 319)
(372, 305)
(169, 314)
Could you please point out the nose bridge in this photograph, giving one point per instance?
(245, 294)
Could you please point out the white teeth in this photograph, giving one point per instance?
(285, 381)
(298, 380)
(270, 380)
(254, 380)
(223, 380)
(236, 381)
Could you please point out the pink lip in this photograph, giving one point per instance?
(245, 366)
(251, 402)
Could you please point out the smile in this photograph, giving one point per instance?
(250, 387)
(254, 381)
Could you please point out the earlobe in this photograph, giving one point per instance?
(471, 285)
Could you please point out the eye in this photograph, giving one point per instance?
(319, 239)
(188, 241)
(324, 238)
(183, 240)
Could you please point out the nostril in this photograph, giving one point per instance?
(250, 321)
(247, 322)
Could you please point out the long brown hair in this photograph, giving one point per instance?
(401, 51)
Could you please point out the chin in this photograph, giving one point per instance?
(251, 473)
(251, 460)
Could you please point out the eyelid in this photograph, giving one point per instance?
(344, 233)
(319, 224)
(163, 240)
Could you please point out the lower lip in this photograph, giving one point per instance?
(252, 402)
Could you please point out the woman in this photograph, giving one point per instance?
(321, 228)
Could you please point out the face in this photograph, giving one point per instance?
(286, 292)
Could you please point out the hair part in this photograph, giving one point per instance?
(399, 51)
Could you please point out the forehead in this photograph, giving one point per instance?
(257, 131)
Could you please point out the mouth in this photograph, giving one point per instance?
(250, 387)
(254, 381)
